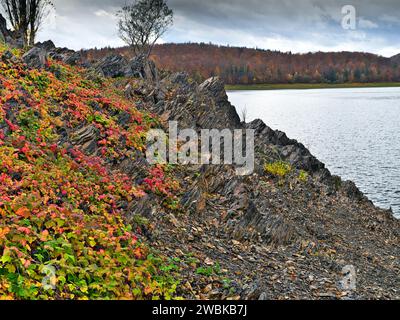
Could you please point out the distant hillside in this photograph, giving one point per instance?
(253, 66)
(395, 59)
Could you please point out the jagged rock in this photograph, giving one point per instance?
(46, 45)
(135, 68)
(65, 55)
(267, 134)
(72, 59)
(35, 58)
(60, 54)
(216, 87)
(225, 115)
(115, 65)
(180, 78)
(141, 67)
(87, 138)
(112, 66)
(196, 106)
(182, 81)
(208, 108)
(9, 56)
(351, 190)
(289, 150)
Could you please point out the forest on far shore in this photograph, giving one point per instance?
(256, 66)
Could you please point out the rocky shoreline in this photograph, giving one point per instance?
(289, 240)
(260, 236)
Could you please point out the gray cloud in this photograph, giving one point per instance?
(296, 25)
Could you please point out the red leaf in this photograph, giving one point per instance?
(12, 126)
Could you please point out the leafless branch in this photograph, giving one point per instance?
(142, 23)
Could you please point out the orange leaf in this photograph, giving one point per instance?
(23, 212)
(4, 232)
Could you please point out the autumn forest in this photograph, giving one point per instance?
(255, 66)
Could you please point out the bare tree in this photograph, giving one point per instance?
(26, 17)
(142, 23)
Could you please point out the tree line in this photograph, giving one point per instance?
(256, 66)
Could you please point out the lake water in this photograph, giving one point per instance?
(355, 132)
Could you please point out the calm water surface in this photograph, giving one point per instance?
(355, 132)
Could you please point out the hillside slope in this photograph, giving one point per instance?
(62, 210)
(78, 195)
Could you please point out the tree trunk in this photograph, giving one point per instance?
(33, 20)
(32, 38)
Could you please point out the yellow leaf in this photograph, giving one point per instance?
(84, 289)
(10, 268)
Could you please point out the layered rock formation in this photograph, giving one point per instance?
(288, 238)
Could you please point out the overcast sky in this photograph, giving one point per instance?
(286, 25)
